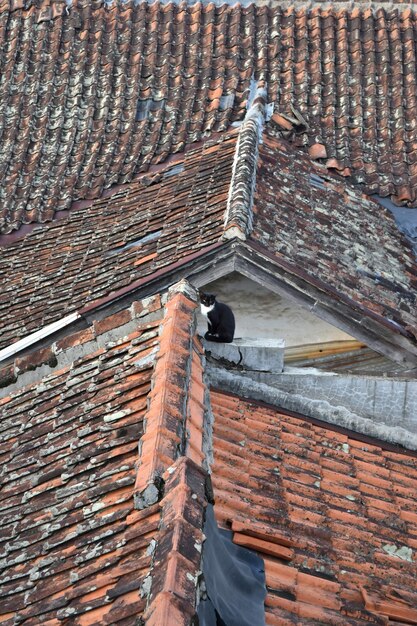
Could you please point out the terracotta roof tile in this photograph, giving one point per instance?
(334, 233)
(70, 534)
(177, 555)
(299, 222)
(110, 89)
(74, 544)
(339, 540)
(99, 249)
(164, 436)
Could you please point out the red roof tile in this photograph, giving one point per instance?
(328, 559)
(97, 250)
(332, 517)
(95, 93)
(73, 546)
(360, 265)
(170, 430)
(321, 225)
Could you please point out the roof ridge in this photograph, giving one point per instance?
(238, 217)
(51, 9)
(171, 590)
(174, 418)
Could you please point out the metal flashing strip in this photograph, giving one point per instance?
(30, 340)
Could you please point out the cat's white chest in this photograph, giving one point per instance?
(206, 309)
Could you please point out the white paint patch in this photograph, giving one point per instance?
(206, 309)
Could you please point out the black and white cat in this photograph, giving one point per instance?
(220, 319)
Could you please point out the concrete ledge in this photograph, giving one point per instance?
(259, 355)
(244, 386)
(389, 400)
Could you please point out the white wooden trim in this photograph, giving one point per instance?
(14, 348)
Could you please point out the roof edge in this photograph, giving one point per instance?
(305, 408)
(171, 590)
(173, 424)
(67, 323)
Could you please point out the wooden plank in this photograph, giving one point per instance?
(323, 349)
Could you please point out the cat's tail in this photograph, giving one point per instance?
(218, 338)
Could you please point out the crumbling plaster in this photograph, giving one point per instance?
(391, 401)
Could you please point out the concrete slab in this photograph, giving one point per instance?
(259, 355)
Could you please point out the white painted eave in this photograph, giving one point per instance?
(44, 332)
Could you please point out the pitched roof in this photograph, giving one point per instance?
(320, 225)
(333, 518)
(93, 93)
(245, 184)
(142, 228)
(95, 529)
(76, 543)
(73, 545)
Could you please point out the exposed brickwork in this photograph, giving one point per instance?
(116, 88)
(7, 375)
(74, 339)
(35, 359)
(113, 321)
(341, 512)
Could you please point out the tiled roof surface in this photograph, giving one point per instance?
(80, 542)
(60, 267)
(93, 93)
(326, 228)
(94, 529)
(72, 545)
(334, 518)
